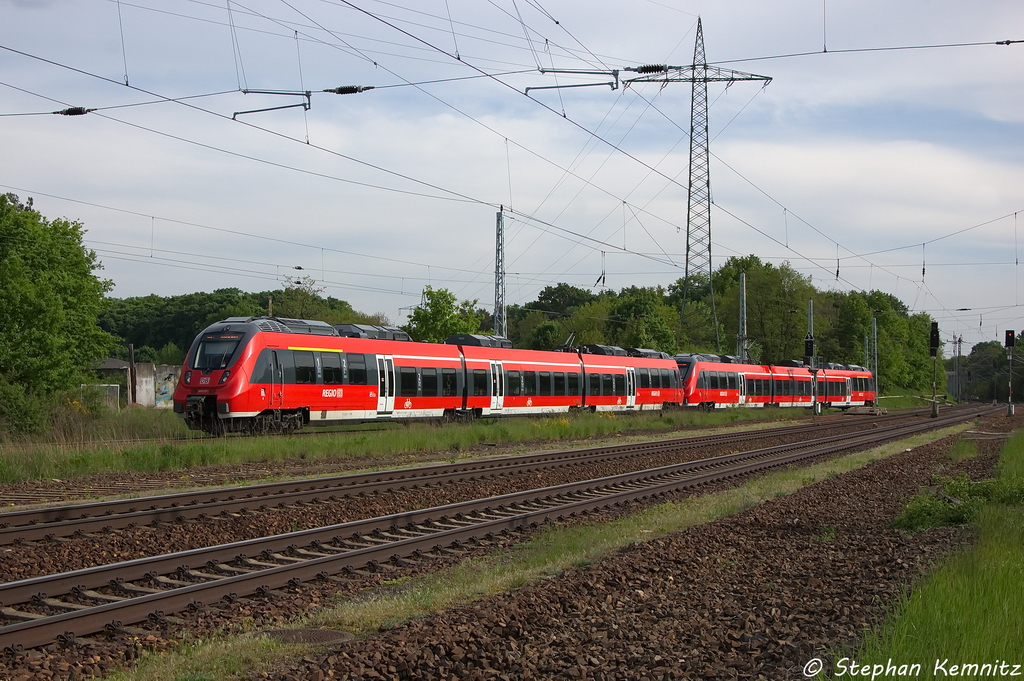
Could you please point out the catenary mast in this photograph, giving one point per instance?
(698, 205)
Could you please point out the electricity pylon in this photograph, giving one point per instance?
(698, 205)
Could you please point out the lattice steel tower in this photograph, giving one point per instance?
(500, 322)
(698, 205)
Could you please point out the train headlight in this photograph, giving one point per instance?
(224, 377)
(188, 378)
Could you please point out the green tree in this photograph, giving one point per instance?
(441, 316)
(50, 297)
(639, 318)
(776, 300)
(561, 298)
(546, 336)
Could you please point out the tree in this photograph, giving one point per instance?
(441, 316)
(50, 297)
(561, 298)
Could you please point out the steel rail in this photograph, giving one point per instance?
(380, 539)
(63, 521)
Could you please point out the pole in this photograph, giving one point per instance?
(742, 340)
(1009, 392)
(874, 343)
(131, 373)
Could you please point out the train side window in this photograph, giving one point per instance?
(620, 384)
(607, 386)
(559, 383)
(544, 378)
(449, 383)
(702, 380)
(407, 382)
(481, 382)
(595, 384)
(513, 383)
(666, 379)
(357, 369)
(713, 380)
(733, 382)
(305, 366)
(261, 372)
(676, 380)
(529, 382)
(429, 379)
(645, 378)
(331, 362)
(573, 383)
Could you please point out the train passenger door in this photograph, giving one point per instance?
(630, 388)
(276, 381)
(741, 384)
(497, 387)
(386, 379)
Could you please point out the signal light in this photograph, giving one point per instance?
(808, 346)
(933, 340)
(1010, 338)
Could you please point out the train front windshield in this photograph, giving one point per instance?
(684, 370)
(216, 351)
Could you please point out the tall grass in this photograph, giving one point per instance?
(106, 442)
(969, 610)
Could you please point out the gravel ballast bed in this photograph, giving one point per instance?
(695, 604)
(751, 596)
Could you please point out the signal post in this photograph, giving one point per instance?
(1009, 342)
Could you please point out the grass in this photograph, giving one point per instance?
(550, 552)
(967, 612)
(105, 449)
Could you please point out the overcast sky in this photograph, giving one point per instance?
(901, 167)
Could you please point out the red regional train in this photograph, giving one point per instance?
(713, 381)
(262, 374)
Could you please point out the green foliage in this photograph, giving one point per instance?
(441, 316)
(49, 300)
(959, 502)
(171, 323)
(546, 336)
(561, 299)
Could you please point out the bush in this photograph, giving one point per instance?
(957, 502)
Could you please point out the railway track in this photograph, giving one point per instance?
(110, 597)
(105, 516)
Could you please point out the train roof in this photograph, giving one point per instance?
(649, 354)
(282, 325)
(479, 340)
(372, 331)
(611, 350)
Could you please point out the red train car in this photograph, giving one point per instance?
(715, 382)
(263, 374)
